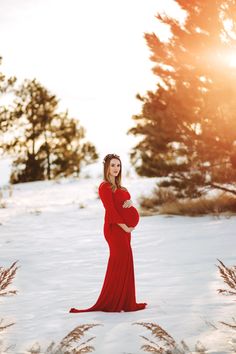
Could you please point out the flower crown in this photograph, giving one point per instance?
(110, 156)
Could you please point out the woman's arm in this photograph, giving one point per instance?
(106, 196)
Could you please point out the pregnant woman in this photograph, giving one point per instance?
(118, 290)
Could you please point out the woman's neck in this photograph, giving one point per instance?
(112, 179)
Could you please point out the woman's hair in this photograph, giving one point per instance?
(106, 164)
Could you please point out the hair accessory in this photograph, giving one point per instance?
(110, 156)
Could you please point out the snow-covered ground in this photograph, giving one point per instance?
(55, 231)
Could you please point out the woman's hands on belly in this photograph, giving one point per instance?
(130, 213)
(127, 203)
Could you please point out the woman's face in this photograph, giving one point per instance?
(114, 167)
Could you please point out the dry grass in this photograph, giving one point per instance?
(69, 344)
(9, 189)
(223, 203)
(159, 197)
(164, 201)
(233, 326)
(143, 212)
(164, 343)
(6, 277)
(229, 276)
(2, 202)
(3, 327)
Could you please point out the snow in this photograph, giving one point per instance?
(55, 231)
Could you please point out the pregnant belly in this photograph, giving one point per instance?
(130, 215)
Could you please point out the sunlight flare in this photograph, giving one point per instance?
(232, 60)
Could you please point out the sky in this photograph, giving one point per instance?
(91, 54)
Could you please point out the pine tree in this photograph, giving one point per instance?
(6, 85)
(188, 126)
(46, 143)
(68, 151)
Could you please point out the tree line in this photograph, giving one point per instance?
(43, 142)
(187, 126)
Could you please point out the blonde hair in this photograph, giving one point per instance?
(106, 165)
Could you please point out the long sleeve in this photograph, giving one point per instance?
(105, 194)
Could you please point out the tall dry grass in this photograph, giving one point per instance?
(228, 274)
(3, 190)
(6, 277)
(164, 343)
(69, 344)
(164, 201)
(2, 201)
(153, 203)
(220, 204)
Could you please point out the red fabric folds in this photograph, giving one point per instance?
(118, 290)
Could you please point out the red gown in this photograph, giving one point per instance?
(118, 290)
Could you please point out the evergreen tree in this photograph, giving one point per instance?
(6, 85)
(188, 126)
(47, 144)
(68, 151)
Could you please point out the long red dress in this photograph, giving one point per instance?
(118, 290)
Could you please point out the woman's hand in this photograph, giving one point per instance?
(127, 203)
(129, 229)
(126, 228)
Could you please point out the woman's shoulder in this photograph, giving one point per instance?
(104, 184)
